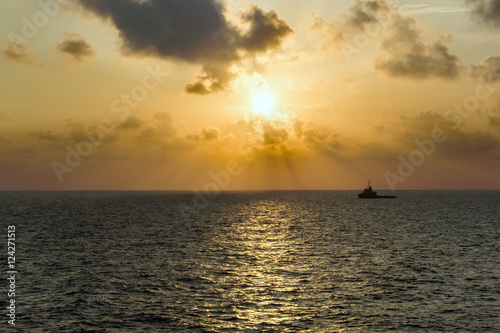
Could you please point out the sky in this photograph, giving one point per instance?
(212, 95)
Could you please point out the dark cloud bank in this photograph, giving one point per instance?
(194, 31)
(487, 11)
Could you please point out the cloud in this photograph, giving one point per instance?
(274, 135)
(474, 145)
(76, 46)
(71, 123)
(207, 134)
(47, 135)
(24, 151)
(380, 129)
(245, 82)
(265, 131)
(422, 9)
(459, 145)
(486, 11)
(193, 31)
(361, 16)
(365, 13)
(131, 122)
(210, 133)
(211, 79)
(19, 53)
(494, 120)
(488, 69)
(321, 141)
(160, 129)
(266, 30)
(331, 33)
(132, 138)
(285, 133)
(405, 52)
(493, 114)
(157, 130)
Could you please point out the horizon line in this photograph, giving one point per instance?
(239, 190)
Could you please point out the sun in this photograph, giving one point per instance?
(263, 102)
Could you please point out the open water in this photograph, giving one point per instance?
(307, 261)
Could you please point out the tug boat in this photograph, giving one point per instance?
(369, 193)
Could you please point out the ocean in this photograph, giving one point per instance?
(271, 261)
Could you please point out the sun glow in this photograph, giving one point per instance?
(263, 102)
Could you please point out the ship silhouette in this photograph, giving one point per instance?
(369, 193)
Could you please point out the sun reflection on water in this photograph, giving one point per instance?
(265, 279)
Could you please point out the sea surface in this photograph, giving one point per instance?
(277, 261)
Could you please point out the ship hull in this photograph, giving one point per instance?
(369, 193)
(377, 197)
